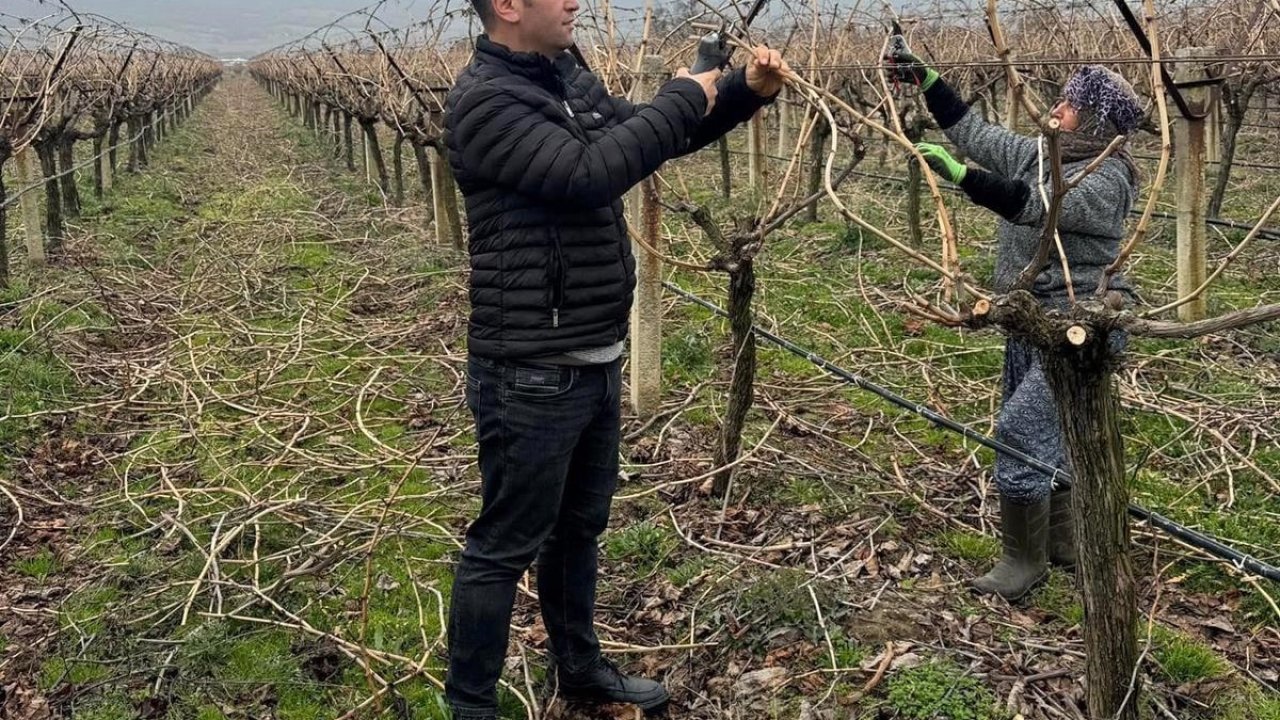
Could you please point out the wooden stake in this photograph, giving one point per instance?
(4, 228)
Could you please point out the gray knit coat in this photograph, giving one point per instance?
(1091, 224)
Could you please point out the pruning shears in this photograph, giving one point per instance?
(896, 43)
(714, 50)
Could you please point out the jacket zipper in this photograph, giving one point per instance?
(557, 279)
(557, 253)
(563, 92)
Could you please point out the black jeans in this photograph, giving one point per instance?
(548, 440)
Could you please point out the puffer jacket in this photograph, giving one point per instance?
(543, 156)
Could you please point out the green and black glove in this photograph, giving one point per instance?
(1008, 198)
(906, 66)
(942, 162)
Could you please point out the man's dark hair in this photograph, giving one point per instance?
(484, 8)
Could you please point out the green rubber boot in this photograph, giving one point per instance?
(1025, 563)
(1062, 535)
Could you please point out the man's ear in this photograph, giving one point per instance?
(507, 11)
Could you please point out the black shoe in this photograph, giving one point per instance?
(603, 683)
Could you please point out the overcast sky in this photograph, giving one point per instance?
(243, 28)
(240, 28)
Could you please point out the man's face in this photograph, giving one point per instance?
(547, 25)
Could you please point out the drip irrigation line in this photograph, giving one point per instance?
(1234, 163)
(1264, 232)
(1211, 545)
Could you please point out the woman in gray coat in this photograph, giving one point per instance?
(1096, 106)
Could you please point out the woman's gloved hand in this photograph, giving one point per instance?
(942, 163)
(906, 66)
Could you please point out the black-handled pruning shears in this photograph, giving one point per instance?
(714, 50)
(897, 42)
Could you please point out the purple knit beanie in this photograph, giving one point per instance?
(1107, 95)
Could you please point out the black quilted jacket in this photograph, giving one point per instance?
(543, 156)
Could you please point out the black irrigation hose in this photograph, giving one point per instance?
(1194, 538)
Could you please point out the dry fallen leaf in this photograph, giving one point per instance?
(760, 681)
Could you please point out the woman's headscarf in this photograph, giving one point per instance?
(1107, 106)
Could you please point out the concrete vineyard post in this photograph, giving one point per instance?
(1189, 142)
(29, 174)
(644, 216)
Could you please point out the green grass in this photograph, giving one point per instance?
(686, 572)
(89, 610)
(1247, 703)
(1181, 659)
(805, 491)
(113, 706)
(62, 671)
(1058, 596)
(30, 372)
(941, 689)
(849, 652)
(643, 546)
(969, 546)
(686, 354)
(38, 567)
(779, 600)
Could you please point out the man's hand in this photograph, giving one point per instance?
(942, 163)
(708, 82)
(765, 71)
(906, 67)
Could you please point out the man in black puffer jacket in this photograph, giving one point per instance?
(543, 156)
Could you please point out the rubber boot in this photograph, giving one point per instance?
(1025, 531)
(1062, 535)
